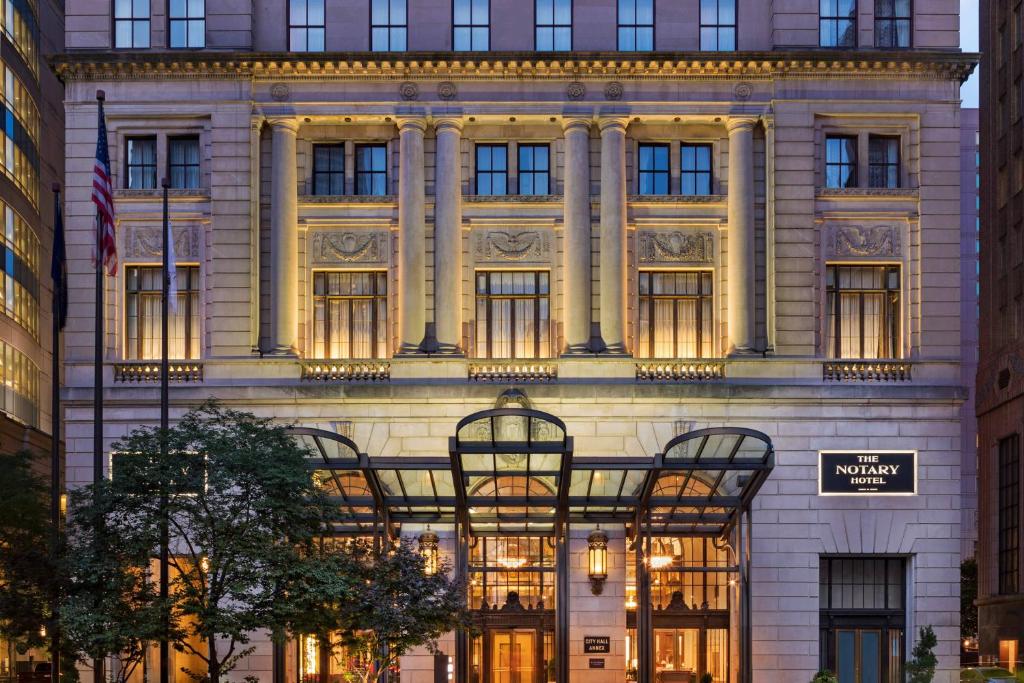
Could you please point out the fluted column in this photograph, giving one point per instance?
(284, 239)
(412, 274)
(448, 235)
(613, 233)
(576, 239)
(741, 235)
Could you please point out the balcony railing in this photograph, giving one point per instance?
(354, 371)
(680, 371)
(866, 371)
(149, 371)
(513, 372)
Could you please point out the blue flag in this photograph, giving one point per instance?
(59, 266)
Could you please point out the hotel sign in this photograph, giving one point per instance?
(867, 473)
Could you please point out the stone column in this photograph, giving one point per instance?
(412, 276)
(284, 239)
(576, 238)
(741, 235)
(448, 235)
(613, 233)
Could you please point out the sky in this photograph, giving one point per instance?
(969, 43)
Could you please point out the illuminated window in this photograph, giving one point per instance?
(22, 29)
(1009, 655)
(676, 314)
(19, 385)
(19, 271)
(20, 156)
(863, 311)
(636, 25)
(306, 25)
(553, 32)
(350, 314)
(471, 28)
(143, 293)
(188, 23)
(512, 314)
(837, 23)
(388, 26)
(131, 23)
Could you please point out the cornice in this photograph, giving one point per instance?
(447, 66)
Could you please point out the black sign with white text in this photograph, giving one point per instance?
(596, 663)
(596, 645)
(879, 473)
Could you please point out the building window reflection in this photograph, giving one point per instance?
(19, 378)
(718, 25)
(183, 162)
(492, 170)
(471, 27)
(553, 31)
(513, 314)
(837, 23)
(841, 161)
(676, 314)
(350, 314)
(329, 169)
(892, 23)
(131, 23)
(371, 169)
(22, 29)
(534, 169)
(306, 25)
(636, 25)
(143, 293)
(654, 168)
(883, 161)
(863, 311)
(19, 287)
(140, 163)
(21, 136)
(388, 26)
(695, 169)
(188, 23)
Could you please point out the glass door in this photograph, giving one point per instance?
(513, 656)
(859, 655)
(675, 654)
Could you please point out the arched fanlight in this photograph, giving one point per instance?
(428, 541)
(597, 544)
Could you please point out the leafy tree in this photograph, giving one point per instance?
(968, 594)
(921, 667)
(824, 676)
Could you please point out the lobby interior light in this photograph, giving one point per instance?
(429, 541)
(597, 544)
(513, 562)
(660, 561)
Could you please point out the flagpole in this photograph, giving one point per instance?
(164, 426)
(97, 397)
(55, 469)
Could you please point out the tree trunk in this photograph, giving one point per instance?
(214, 667)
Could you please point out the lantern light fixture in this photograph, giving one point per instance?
(429, 541)
(597, 544)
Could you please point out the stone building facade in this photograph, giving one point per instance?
(747, 218)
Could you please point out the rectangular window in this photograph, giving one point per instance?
(140, 162)
(841, 161)
(863, 311)
(306, 25)
(350, 314)
(372, 169)
(653, 168)
(492, 169)
(636, 25)
(837, 23)
(329, 169)
(676, 314)
(471, 28)
(513, 318)
(188, 23)
(717, 25)
(892, 23)
(143, 292)
(389, 26)
(695, 169)
(554, 26)
(883, 161)
(1009, 515)
(183, 162)
(534, 169)
(131, 23)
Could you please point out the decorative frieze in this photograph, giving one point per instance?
(349, 247)
(512, 245)
(675, 246)
(146, 242)
(871, 241)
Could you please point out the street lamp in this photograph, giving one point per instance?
(428, 541)
(597, 544)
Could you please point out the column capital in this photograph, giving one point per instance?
(741, 123)
(613, 123)
(575, 123)
(448, 123)
(284, 123)
(411, 123)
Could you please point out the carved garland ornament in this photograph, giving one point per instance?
(147, 242)
(676, 246)
(349, 247)
(856, 240)
(513, 245)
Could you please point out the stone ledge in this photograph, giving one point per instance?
(178, 371)
(867, 192)
(157, 194)
(354, 371)
(866, 371)
(513, 372)
(685, 371)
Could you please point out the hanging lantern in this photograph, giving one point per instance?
(428, 541)
(597, 543)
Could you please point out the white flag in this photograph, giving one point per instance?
(172, 272)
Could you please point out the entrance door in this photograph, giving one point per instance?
(859, 655)
(513, 656)
(676, 655)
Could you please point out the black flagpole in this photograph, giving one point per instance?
(97, 396)
(164, 426)
(55, 487)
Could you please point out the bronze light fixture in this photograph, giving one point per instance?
(428, 541)
(597, 544)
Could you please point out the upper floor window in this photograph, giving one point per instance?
(534, 169)
(372, 169)
(717, 25)
(183, 162)
(654, 168)
(676, 314)
(554, 26)
(188, 23)
(471, 28)
(892, 23)
(306, 25)
(636, 25)
(491, 169)
(863, 311)
(883, 161)
(329, 169)
(1009, 515)
(131, 23)
(143, 292)
(837, 23)
(140, 163)
(695, 170)
(841, 161)
(350, 314)
(389, 26)
(513, 314)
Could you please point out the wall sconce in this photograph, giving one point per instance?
(428, 541)
(597, 543)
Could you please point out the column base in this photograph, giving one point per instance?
(282, 352)
(616, 349)
(743, 351)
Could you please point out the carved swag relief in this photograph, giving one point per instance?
(856, 240)
(147, 242)
(676, 247)
(349, 247)
(512, 245)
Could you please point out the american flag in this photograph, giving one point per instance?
(103, 198)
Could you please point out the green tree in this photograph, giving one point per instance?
(824, 676)
(968, 594)
(921, 667)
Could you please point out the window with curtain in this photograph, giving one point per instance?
(183, 162)
(553, 25)
(492, 169)
(863, 311)
(636, 25)
(892, 23)
(1009, 515)
(140, 163)
(188, 23)
(372, 169)
(837, 23)
(350, 314)
(131, 23)
(534, 169)
(883, 161)
(676, 314)
(717, 25)
(306, 25)
(389, 26)
(143, 291)
(695, 169)
(513, 314)
(653, 168)
(471, 25)
(841, 161)
(329, 169)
